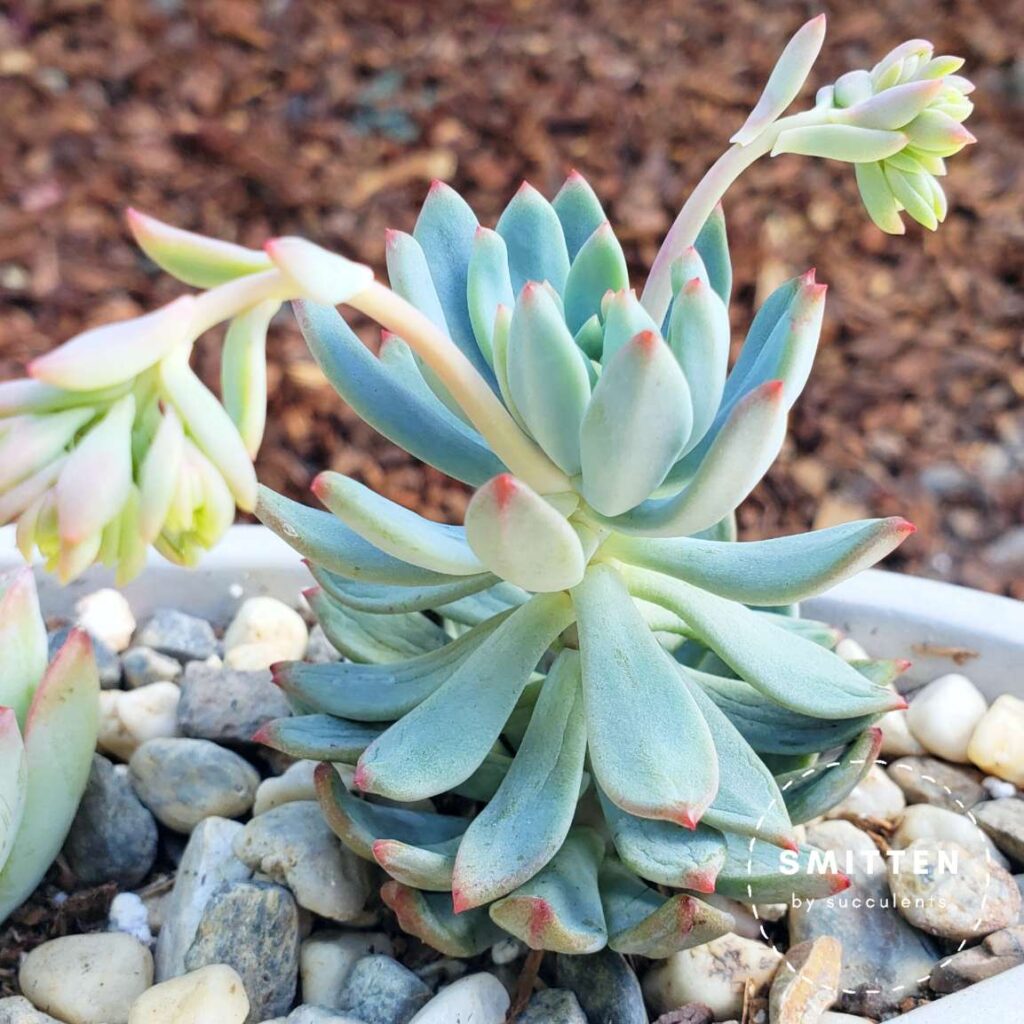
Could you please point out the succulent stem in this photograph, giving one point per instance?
(698, 207)
(484, 409)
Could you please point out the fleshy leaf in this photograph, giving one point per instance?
(107, 355)
(25, 395)
(625, 456)
(840, 142)
(412, 863)
(642, 922)
(787, 77)
(318, 737)
(811, 793)
(913, 194)
(32, 442)
(60, 739)
(878, 198)
(412, 421)
(713, 246)
(397, 530)
(366, 637)
(429, 916)
(559, 908)
(521, 538)
(13, 781)
(664, 852)
(781, 664)
(755, 872)
(243, 373)
(158, 476)
(525, 823)
(488, 286)
(579, 211)
(894, 107)
(210, 427)
(536, 243)
(318, 274)
(768, 572)
(598, 267)
(624, 319)
(94, 482)
(649, 747)
(22, 640)
(547, 376)
(327, 541)
(413, 759)
(378, 692)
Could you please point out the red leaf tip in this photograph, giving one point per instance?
(904, 526)
(262, 735)
(702, 881)
(838, 882)
(362, 779)
(505, 487)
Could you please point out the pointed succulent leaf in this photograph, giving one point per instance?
(473, 610)
(755, 872)
(785, 81)
(419, 425)
(243, 372)
(378, 692)
(598, 267)
(840, 142)
(781, 664)
(445, 229)
(488, 286)
(367, 637)
(131, 547)
(18, 397)
(527, 820)
(809, 794)
(21, 496)
(384, 599)
(413, 759)
(769, 727)
(625, 318)
(210, 427)
(878, 199)
(426, 867)
(107, 355)
(521, 538)
(194, 259)
(33, 442)
(664, 852)
(635, 426)
(913, 194)
(360, 824)
(429, 916)
(316, 273)
(768, 572)
(158, 475)
(103, 456)
(712, 244)
(590, 339)
(502, 333)
(748, 800)
(560, 907)
(395, 529)
(894, 107)
(547, 376)
(689, 265)
(642, 922)
(60, 739)
(698, 335)
(325, 540)
(852, 88)
(22, 640)
(535, 240)
(579, 211)
(13, 781)
(318, 737)
(737, 459)
(650, 749)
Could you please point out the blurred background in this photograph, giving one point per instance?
(243, 119)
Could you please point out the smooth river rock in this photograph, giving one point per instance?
(943, 715)
(553, 1006)
(807, 982)
(18, 1010)
(475, 999)
(183, 637)
(605, 986)
(211, 995)
(922, 821)
(997, 743)
(326, 960)
(380, 990)
(264, 631)
(1003, 822)
(926, 780)
(227, 705)
(875, 796)
(997, 953)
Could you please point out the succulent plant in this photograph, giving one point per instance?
(49, 718)
(626, 696)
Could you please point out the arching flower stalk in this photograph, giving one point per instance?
(617, 687)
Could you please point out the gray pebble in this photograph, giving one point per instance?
(319, 1015)
(605, 985)
(143, 665)
(1003, 821)
(18, 1010)
(320, 650)
(227, 705)
(183, 781)
(113, 837)
(108, 664)
(381, 991)
(182, 636)
(927, 780)
(254, 928)
(999, 952)
(553, 1006)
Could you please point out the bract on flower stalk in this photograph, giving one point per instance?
(592, 639)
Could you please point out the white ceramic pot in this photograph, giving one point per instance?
(939, 627)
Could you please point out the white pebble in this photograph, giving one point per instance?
(897, 739)
(128, 914)
(943, 716)
(327, 958)
(849, 650)
(294, 783)
(923, 821)
(998, 789)
(997, 743)
(506, 951)
(211, 995)
(264, 631)
(130, 717)
(479, 998)
(875, 796)
(106, 615)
